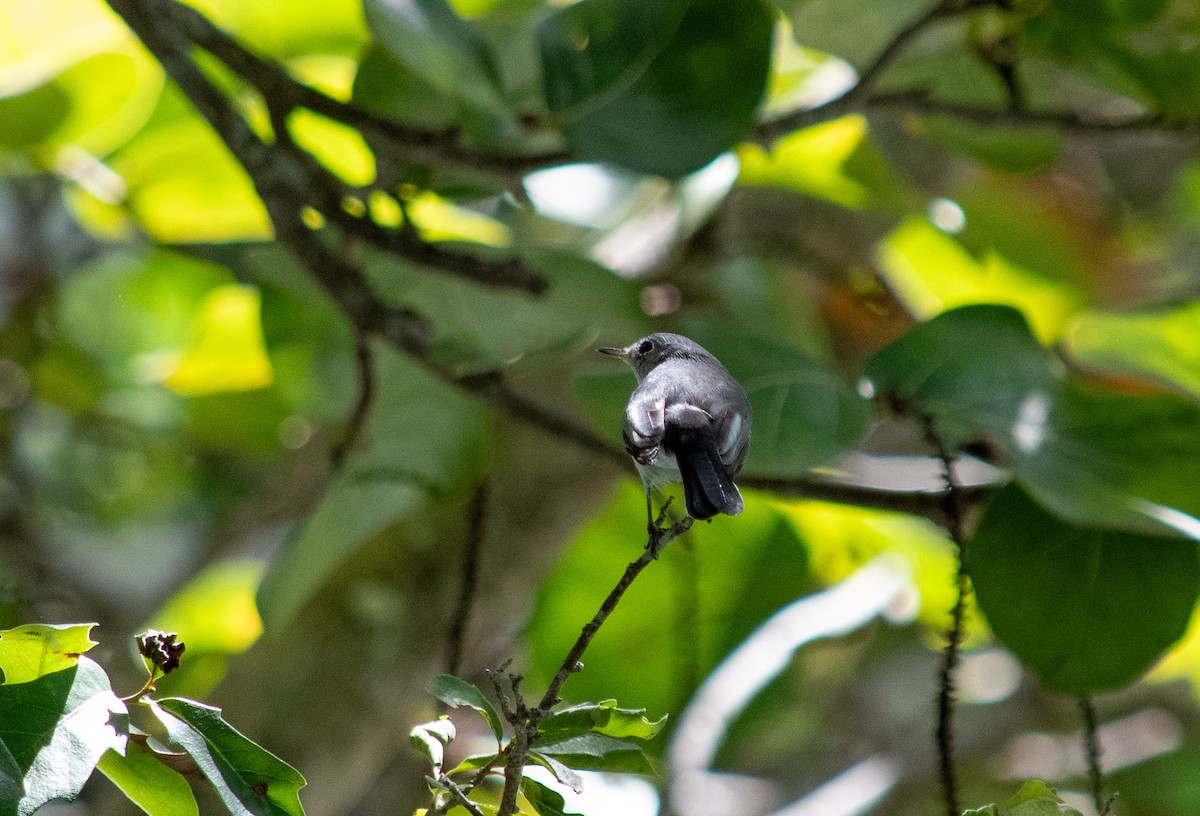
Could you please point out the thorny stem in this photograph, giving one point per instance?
(1091, 747)
(954, 521)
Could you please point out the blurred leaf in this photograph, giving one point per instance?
(185, 187)
(658, 87)
(602, 718)
(834, 161)
(214, 614)
(444, 50)
(227, 352)
(481, 329)
(387, 86)
(1012, 151)
(823, 26)
(455, 692)
(56, 728)
(1093, 457)
(422, 440)
(972, 368)
(148, 783)
(1156, 346)
(298, 27)
(1087, 609)
(546, 801)
(339, 147)
(37, 649)
(474, 763)
(932, 273)
(597, 752)
(137, 312)
(32, 116)
(247, 777)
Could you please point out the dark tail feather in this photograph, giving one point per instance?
(708, 488)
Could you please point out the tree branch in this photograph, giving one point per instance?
(1091, 751)
(955, 525)
(476, 512)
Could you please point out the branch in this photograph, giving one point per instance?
(170, 29)
(955, 525)
(525, 720)
(1091, 749)
(476, 511)
(413, 144)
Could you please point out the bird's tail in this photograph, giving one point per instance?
(708, 488)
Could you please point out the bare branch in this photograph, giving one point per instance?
(476, 512)
(1091, 748)
(955, 525)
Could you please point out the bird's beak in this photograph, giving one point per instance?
(623, 353)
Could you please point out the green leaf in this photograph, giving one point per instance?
(32, 116)
(56, 728)
(597, 752)
(1085, 608)
(12, 785)
(455, 692)
(602, 718)
(149, 784)
(972, 368)
(248, 778)
(440, 47)
(389, 87)
(1091, 456)
(431, 739)
(37, 649)
(1036, 798)
(423, 440)
(474, 763)
(660, 87)
(1159, 347)
(561, 772)
(546, 801)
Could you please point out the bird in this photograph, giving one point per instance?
(687, 421)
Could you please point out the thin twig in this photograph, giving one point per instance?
(1091, 748)
(356, 424)
(951, 654)
(476, 511)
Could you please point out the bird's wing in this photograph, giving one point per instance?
(645, 424)
(733, 440)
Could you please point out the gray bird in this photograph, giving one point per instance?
(688, 420)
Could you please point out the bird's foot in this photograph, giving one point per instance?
(661, 533)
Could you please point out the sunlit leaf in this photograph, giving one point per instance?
(931, 273)
(833, 161)
(247, 777)
(227, 352)
(602, 718)
(658, 87)
(431, 739)
(215, 616)
(148, 783)
(56, 728)
(1085, 608)
(185, 187)
(455, 692)
(1159, 347)
(37, 649)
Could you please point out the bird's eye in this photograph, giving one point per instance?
(646, 347)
